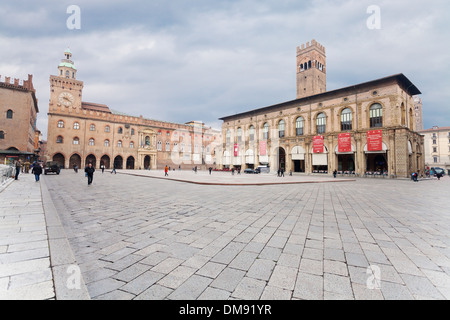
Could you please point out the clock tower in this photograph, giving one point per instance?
(65, 89)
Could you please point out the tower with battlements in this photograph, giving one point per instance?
(311, 69)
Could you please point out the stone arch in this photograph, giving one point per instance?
(75, 159)
(60, 159)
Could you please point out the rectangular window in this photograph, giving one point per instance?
(320, 129)
(346, 126)
(376, 118)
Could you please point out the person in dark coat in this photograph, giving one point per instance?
(18, 166)
(90, 173)
(37, 171)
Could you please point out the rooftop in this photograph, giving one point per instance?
(400, 78)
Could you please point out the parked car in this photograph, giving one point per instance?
(52, 166)
(438, 170)
(251, 171)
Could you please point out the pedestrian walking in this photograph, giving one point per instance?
(89, 173)
(210, 169)
(18, 166)
(281, 172)
(37, 171)
(114, 169)
(102, 167)
(166, 171)
(27, 167)
(334, 173)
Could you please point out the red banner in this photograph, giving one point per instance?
(345, 142)
(318, 144)
(236, 150)
(262, 148)
(374, 140)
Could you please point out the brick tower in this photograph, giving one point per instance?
(311, 69)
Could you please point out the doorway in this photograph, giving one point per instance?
(147, 161)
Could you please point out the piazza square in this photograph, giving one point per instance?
(140, 235)
(227, 159)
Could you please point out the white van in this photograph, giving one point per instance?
(263, 169)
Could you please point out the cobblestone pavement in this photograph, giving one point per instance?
(25, 271)
(143, 238)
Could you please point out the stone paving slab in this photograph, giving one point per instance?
(25, 269)
(136, 238)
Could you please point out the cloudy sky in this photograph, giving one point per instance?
(182, 60)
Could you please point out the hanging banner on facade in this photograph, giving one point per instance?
(345, 142)
(236, 150)
(375, 140)
(263, 148)
(318, 144)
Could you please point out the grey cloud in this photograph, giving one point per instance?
(182, 60)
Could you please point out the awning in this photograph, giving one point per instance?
(385, 149)
(264, 159)
(336, 150)
(319, 159)
(298, 153)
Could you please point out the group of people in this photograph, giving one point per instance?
(36, 169)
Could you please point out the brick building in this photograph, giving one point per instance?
(18, 113)
(81, 132)
(364, 129)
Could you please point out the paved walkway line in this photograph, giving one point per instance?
(68, 280)
(249, 184)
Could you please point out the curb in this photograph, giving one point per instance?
(236, 184)
(66, 272)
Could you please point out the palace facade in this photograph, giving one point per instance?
(18, 112)
(82, 132)
(364, 129)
